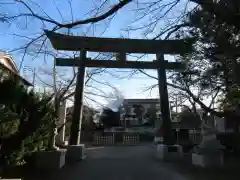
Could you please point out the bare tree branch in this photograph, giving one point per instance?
(105, 15)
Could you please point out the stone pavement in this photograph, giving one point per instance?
(117, 163)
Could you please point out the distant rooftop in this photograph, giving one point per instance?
(7, 62)
(142, 101)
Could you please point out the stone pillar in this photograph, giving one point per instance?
(60, 139)
(220, 124)
(132, 110)
(132, 121)
(157, 126)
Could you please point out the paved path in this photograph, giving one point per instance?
(118, 163)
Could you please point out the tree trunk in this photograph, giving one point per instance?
(236, 126)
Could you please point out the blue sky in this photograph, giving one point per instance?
(131, 88)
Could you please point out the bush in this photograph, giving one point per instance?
(109, 118)
(231, 141)
(26, 123)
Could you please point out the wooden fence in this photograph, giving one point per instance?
(130, 139)
(133, 139)
(103, 140)
(110, 140)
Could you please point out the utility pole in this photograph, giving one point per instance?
(176, 104)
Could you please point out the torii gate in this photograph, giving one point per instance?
(121, 47)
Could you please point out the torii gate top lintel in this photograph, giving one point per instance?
(97, 44)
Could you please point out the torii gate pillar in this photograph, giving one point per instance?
(75, 151)
(165, 130)
(78, 102)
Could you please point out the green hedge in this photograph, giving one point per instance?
(26, 122)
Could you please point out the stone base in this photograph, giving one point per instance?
(50, 159)
(75, 153)
(62, 143)
(169, 152)
(208, 160)
(158, 140)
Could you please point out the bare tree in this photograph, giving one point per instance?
(188, 85)
(63, 85)
(32, 12)
(154, 19)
